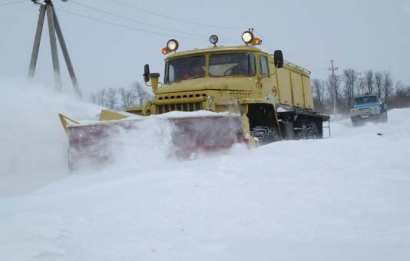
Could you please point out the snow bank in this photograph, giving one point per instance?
(33, 143)
(344, 198)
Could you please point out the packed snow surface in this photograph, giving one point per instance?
(343, 198)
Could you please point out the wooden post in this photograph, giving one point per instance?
(65, 53)
(53, 44)
(37, 41)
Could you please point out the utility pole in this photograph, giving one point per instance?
(361, 88)
(47, 9)
(333, 69)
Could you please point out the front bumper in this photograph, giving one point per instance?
(366, 117)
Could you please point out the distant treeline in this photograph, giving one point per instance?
(352, 83)
(121, 98)
(344, 87)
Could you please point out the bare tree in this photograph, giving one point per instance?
(349, 78)
(378, 82)
(93, 98)
(111, 98)
(141, 93)
(360, 87)
(399, 88)
(387, 85)
(333, 87)
(369, 81)
(126, 97)
(100, 98)
(318, 87)
(402, 97)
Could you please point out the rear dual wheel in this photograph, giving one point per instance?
(310, 131)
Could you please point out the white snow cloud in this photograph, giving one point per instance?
(33, 143)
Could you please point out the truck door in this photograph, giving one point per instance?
(266, 82)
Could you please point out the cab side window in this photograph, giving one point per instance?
(263, 66)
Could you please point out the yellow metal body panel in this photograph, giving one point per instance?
(107, 115)
(297, 90)
(65, 121)
(135, 110)
(308, 93)
(239, 83)
(265, 83)
(284, 83)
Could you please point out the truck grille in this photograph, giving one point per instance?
(364, 111)
(179, 107)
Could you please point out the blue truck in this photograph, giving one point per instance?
(368, 108)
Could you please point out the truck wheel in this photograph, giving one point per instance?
(355, 123)
(311, 131)
(264, 134)
(384, 118)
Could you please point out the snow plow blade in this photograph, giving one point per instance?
(95, 143)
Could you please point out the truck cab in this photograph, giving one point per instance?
(368, 108)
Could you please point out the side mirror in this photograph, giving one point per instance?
(146, 73)
(278, 58)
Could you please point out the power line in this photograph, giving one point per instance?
(9, 1)
(123, 26)
(168, 17)
(319, 69)
(150, 25)
(138, 22)
(13, 3)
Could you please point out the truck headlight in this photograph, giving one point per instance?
(172, 45)
(376, 110)
(247, 37)
(213, 39)
(353, 112)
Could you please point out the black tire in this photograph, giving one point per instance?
(307, 131)
(384, 118)
(264, 134)
(311, 131)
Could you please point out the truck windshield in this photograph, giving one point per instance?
(366, 99)
(229, 64)
(184, 69)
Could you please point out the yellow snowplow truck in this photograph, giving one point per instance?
(214, 98)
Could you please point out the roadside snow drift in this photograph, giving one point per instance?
(344, 198)
(33, 148)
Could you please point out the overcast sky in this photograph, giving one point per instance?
(111, 51)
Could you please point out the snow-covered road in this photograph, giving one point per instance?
(344, 198)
